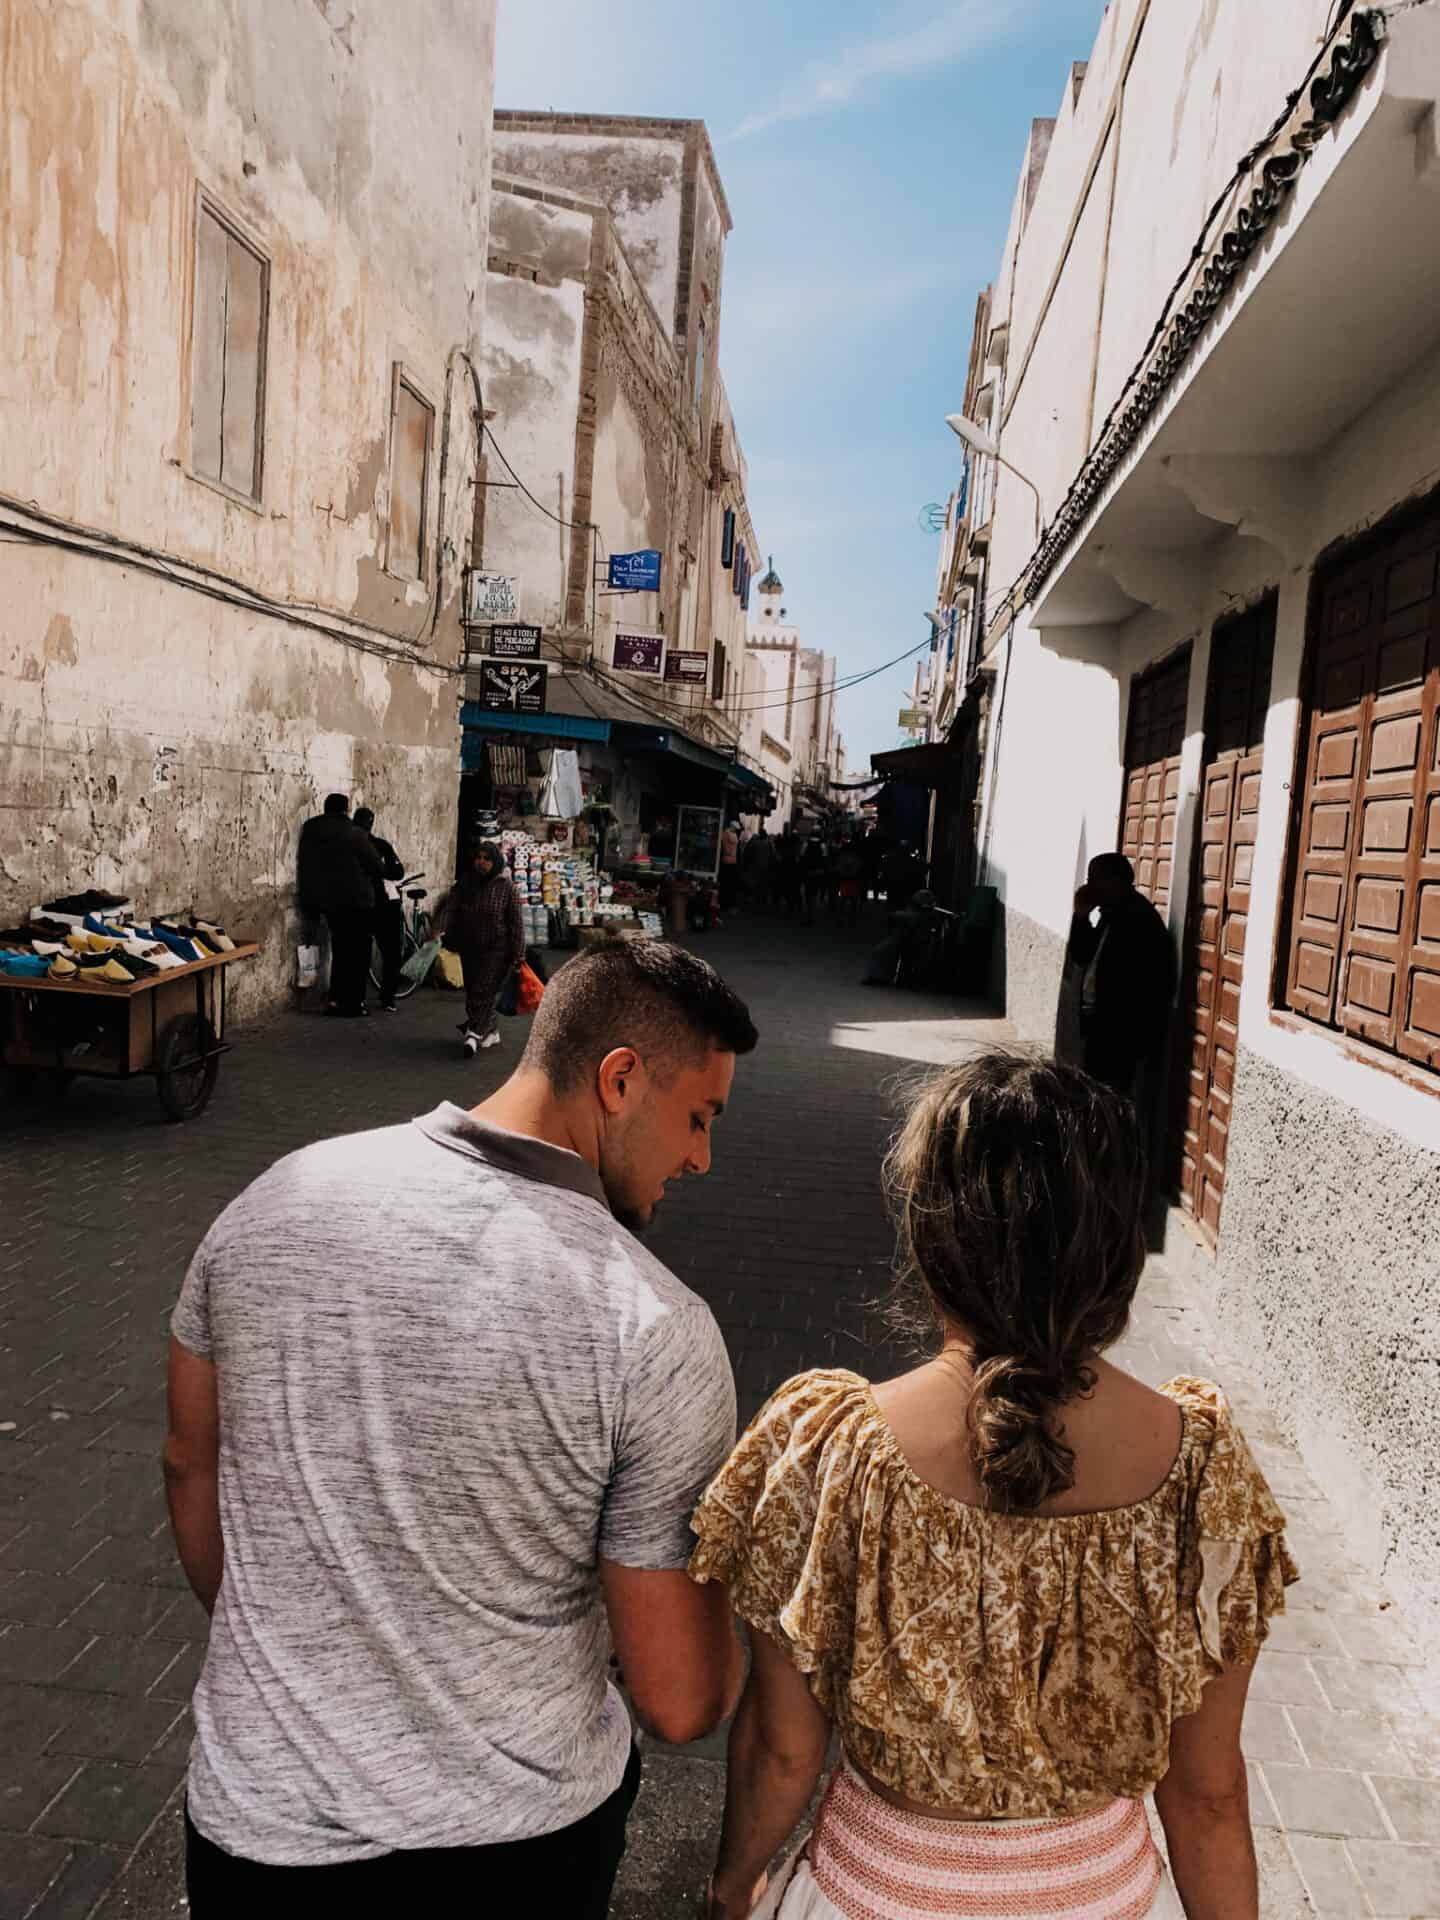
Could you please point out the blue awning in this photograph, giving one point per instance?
(554, 726)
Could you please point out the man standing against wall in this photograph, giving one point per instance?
(1122, 950)
(339, 874)
(389, 927)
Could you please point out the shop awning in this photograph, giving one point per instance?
(931, 764)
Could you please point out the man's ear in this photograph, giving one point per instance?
(616, 1075)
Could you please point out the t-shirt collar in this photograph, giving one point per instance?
(520, 1153)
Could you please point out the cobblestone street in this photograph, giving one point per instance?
(101, 1204)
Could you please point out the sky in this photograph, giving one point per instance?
(870, 154)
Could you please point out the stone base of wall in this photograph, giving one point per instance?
(1328, 1279)
(1031, 966)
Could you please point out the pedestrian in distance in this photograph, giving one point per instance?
(787, 870)
(756, 865)
(389, 927)
(480, 919)
(438, 1423)
(814, 877)
(339, 870)
(1122, 951)
(1024, 1589)
(730, 867)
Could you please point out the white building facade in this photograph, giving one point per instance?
(1213, 346)
(787, 716)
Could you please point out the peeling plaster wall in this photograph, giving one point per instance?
(540, 253)
(638, 177)
(152, 738)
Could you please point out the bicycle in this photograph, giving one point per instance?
(416, 931)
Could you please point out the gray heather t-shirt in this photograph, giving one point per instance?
(448, 1381)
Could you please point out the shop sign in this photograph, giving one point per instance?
(490, 596)
(912, 719)
(639, 652)
(692, 668)
(513, 642)
(636, 572)
(512, 686)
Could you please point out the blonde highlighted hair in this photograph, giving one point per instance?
(1019, 1190)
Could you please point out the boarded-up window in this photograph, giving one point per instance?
(700, 365)
(411, 427)
(717, 674)
(227, 377)
(1154, 737)
(1364, 882)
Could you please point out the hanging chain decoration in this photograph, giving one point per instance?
(1330, 93)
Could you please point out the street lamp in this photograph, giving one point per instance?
(979, 441)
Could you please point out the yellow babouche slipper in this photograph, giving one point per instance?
(81, 942)
(62, 967)
(112, 970)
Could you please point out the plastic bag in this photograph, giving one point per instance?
(307, 967)
(507, 1001)
(449, 971)
(420, 962)
(530, 990)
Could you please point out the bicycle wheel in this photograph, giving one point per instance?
(411, 942)
(377, 966)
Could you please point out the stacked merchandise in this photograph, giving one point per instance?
(94, 938)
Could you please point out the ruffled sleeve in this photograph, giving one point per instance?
(1235, 1563)
(766, 1526)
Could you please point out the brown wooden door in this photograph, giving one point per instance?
(1154, 738)
(1237, 698)
(1365, 890)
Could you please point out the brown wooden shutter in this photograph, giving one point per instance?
(244, 322)
(207, 351)
(1154, 737)
(409, 474)
(1365, 928)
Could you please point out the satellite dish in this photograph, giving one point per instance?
(932, 518)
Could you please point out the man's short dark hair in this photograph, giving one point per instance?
(1113, 866)
(364, 817)
(337, 803)
(666, 1003)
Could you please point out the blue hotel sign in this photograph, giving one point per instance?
(636, 572)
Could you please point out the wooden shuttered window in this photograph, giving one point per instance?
(1154, 737)
(227, 371)
(1364, 884)
(717, 673)
(412, 427)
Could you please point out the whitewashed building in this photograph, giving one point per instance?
(787, 717)
(1213, 348)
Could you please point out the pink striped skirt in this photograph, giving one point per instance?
(867, 1860)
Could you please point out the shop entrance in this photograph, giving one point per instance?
(1237, 698)
(1154, 737)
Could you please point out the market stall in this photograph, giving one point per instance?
(91, 993)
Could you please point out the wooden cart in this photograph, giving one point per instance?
(170, 1025)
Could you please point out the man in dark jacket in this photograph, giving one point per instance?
(1123, 951)
(339, 871)
(389, 911)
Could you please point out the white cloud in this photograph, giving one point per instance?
(837, 80)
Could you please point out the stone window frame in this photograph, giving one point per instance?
(207, 204)
(402, 379)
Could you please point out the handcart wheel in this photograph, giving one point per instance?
(186, 1065)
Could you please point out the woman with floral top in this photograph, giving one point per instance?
(1023, 1588)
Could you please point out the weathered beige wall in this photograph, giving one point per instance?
(151, 737)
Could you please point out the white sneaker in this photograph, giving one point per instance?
(492, 1039)
(472, 1045)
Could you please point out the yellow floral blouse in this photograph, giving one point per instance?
(1006, 1666)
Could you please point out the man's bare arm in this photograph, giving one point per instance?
(192, 1471)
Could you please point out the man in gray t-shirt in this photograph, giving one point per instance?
(438, 1423)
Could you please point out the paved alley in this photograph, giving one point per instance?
(101, 1204)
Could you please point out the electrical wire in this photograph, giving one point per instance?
(71, 537)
